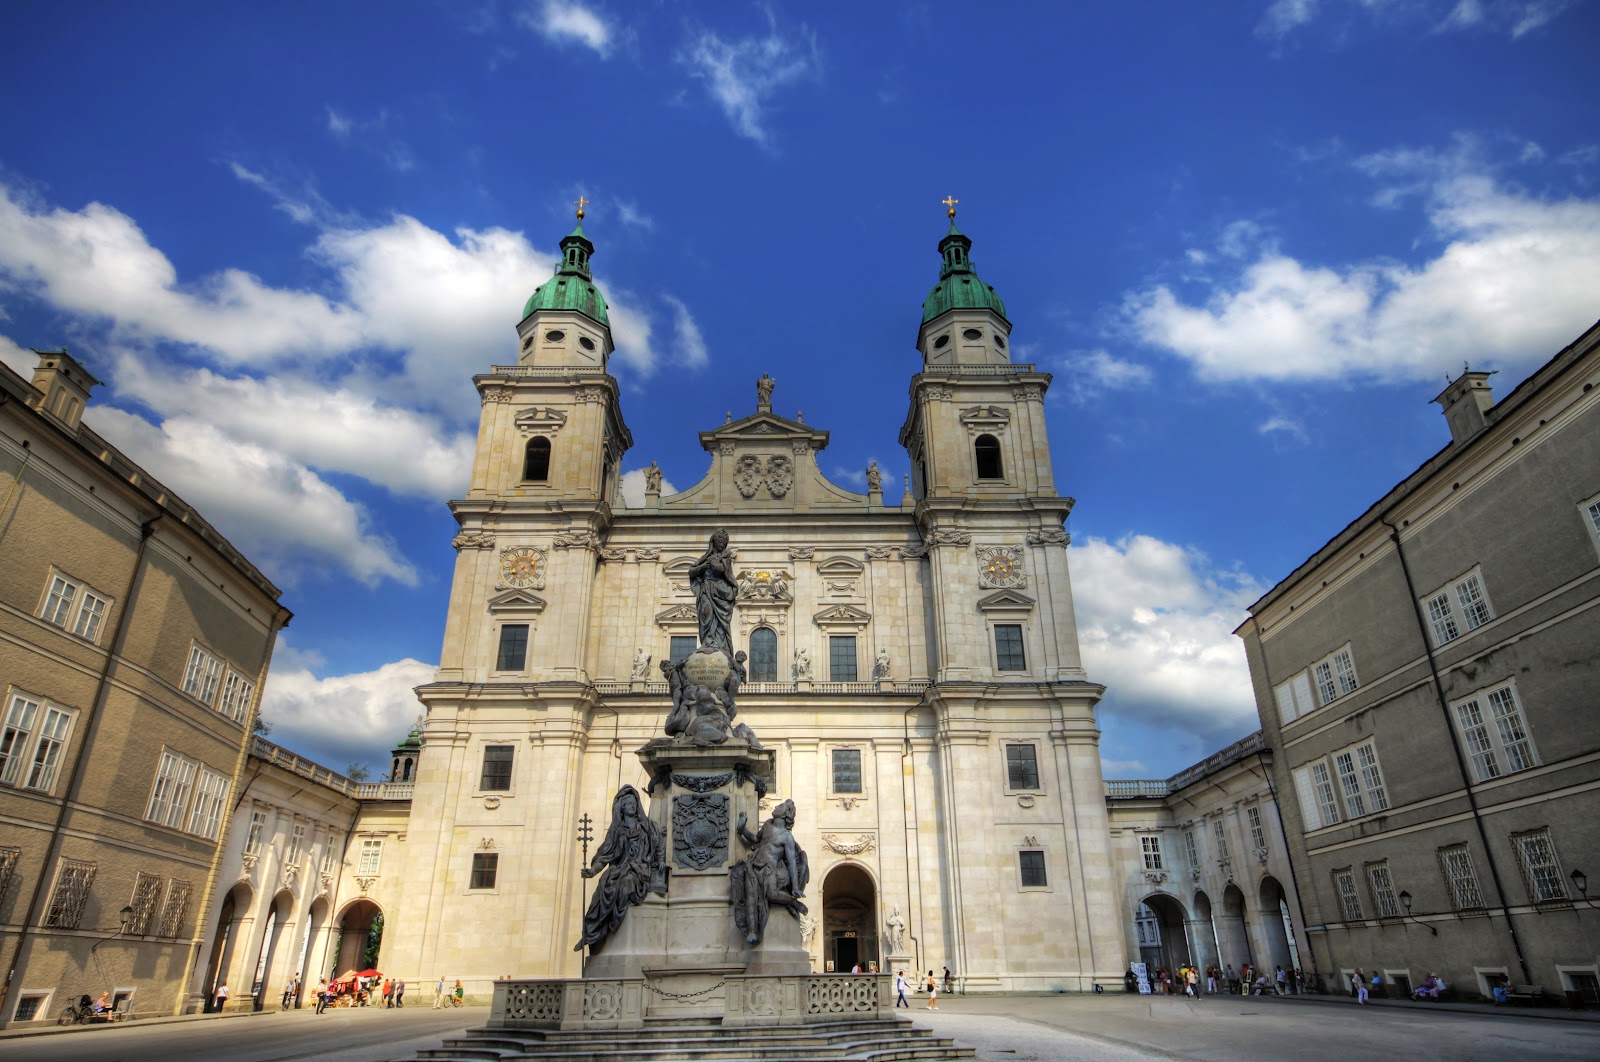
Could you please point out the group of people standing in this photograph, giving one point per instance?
(1217, 980)
(929, 984)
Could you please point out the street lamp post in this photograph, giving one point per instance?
(1405, 901)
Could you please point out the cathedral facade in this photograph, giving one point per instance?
(913, 664)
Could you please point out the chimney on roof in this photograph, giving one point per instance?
(1466, 403)
(64, 386)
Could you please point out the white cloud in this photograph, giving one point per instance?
(1155, 622)
(688, 345)
(1515, 18)
(278, 512)
(22, 360)
(743, 74)
(1285, 426)
(373, 135)
(1513, 280)
(1123, 768)
(634, 218)
(1090, 374)
(1283, 17)
(338, 124)
(633, 488)
(567, 22)
(341, 719)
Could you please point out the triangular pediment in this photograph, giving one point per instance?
(677, 615)
(1006, 601)
(519, 601)
(842, 616)
(762, 427)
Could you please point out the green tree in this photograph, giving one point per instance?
(357, 772)
(369, 957)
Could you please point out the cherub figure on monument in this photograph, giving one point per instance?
(634, 857)
(775, 872)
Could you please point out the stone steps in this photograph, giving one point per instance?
(691, 1040)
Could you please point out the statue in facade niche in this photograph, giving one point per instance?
(712, 582)
(894, 932)
(633, 856)
(641, 664)
(880, 665)
(652, 478)
(775, 872)
(802, 664)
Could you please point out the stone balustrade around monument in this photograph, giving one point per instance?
(740, 1000)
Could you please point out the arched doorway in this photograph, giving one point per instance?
(271, 939)
(235, 907)
(1233, 940)
(1158, 925)
(360, 937)
(849, 919)
(1277, 928)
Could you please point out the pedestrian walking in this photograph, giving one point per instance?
(388, 989)
(322, 995)
(949, 981)
(1358, 983)
(1232, 980)
(1211, 979)
(458, 994)
(438, 992)
(933, 992)
(900, 990)
(1281, 980)
(222, 996)
(1377, 983)
(399, 993)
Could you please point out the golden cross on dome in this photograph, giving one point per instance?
(582, 202)
(950, 201)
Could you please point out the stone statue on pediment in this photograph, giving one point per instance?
(764, 388)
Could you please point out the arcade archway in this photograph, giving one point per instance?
(235, 907)
(1158, 924)
(360, 937)
(1276, 926)
(849, 919)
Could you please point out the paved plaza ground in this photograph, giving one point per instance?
(1110, 1028)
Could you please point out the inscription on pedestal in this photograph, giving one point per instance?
(700, 830)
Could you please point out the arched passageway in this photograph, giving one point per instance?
(360, 938)
(1233, 939)
(1203, 934)
(1277, 929)
(1159, 926)
(849, 922)
(232, 922)
(279, 920)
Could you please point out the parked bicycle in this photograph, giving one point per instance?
(81, 1014)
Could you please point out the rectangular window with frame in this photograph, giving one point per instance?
(485, 868)
(1031, 863)
(1460, 877)
(1541, 870)
(1191, 848)
(91, 616)
(681, 647)
(1382, 886)
(236, 693)
(1336, 675)
(497, 762)
(371, 856)
(1150, 848)
(1008, 652)
(9, 855)
(1496, 733)
(58, 602)
(1258, 835)
(297, 841)
(513, 655)
(210, 794)
(169, 797)
(16, 737)
(252, 840)
(175, 908)
(146, 895)
(330, 852)
(47, 750)
(842, 658)
(1219, 834)
(846, 770)
(73, 879)
(1022, 767)
(1344, 883)
(203, 675)
(1455, 609)
(1294, 698)
(1590, 510)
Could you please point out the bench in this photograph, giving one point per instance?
(1527, 995)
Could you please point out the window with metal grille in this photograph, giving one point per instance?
(1022, 767)
(1008, 647)
(29, 1005)
(71, 893)
(842, 658)
(485, 866)
(1587, 985)
(1382, 886)
(146, 895)
(683, 646)
(8, 868)
(1496, 739)
(1150, 845)
(763, 655)
(1344, 883)
(175, 908)
(1460, 877)
(847, 770)
(1541, 870)
(513, 654)
(1032, 863)
(497, 768)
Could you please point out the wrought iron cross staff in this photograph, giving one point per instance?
(585, 835)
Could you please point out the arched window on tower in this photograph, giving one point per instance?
(536, 466)
(987, 452)
(763, 655)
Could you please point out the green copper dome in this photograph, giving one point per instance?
(959, 286)
(572, 288)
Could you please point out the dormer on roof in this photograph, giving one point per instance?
(64, 386)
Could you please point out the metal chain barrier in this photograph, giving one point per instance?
(684, 995)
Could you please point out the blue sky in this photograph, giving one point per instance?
(1248, 239)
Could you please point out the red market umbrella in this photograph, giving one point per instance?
(369, 973)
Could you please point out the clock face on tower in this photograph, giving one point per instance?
(999, 566)
(522, 566)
